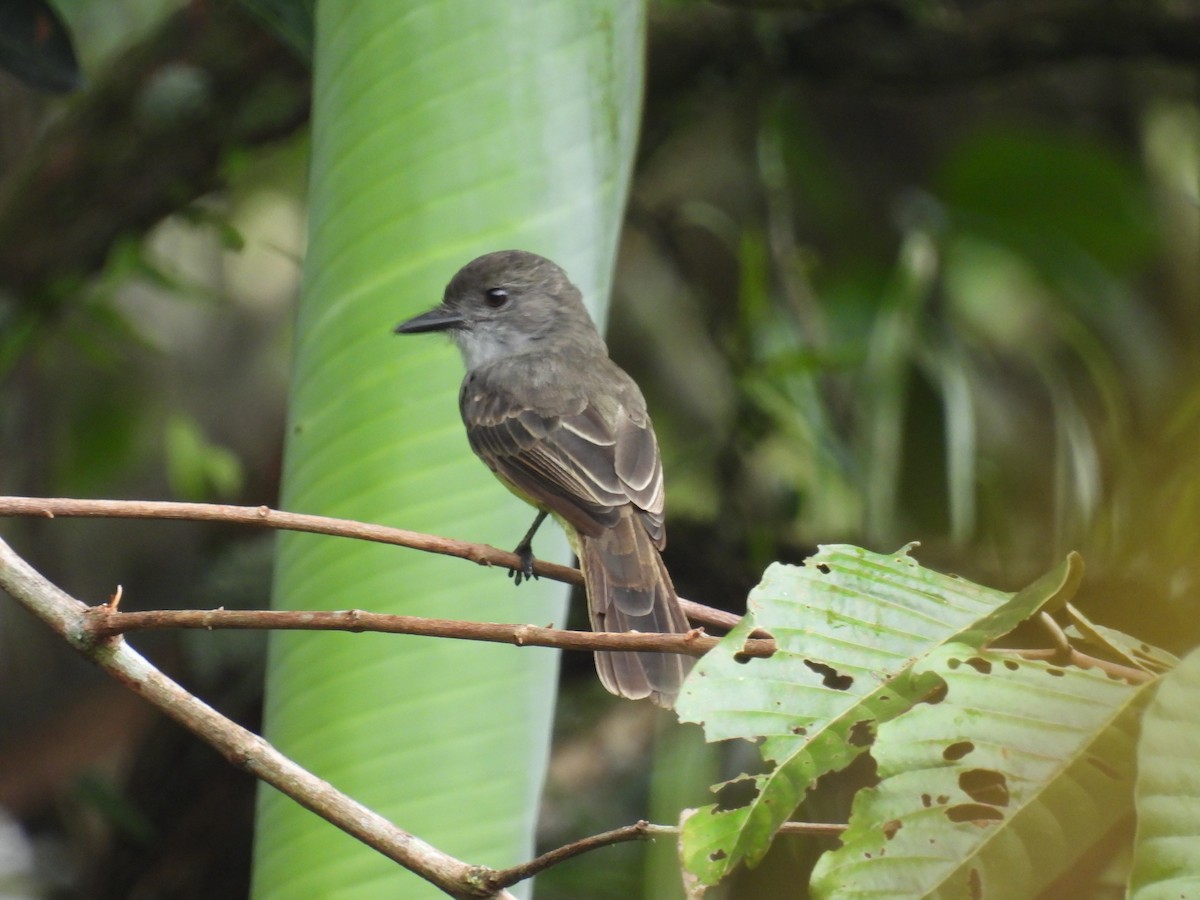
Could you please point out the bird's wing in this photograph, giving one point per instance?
(571, 460)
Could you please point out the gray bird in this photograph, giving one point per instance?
(566, 430)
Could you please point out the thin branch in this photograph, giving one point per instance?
(501, 878)
(639, 831)
(1084, 661)
(265, 517)
(68, 617)
(104, 621)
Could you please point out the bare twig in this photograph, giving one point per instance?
(244, 749)
(1084, 661)
(102, 621)
(639, 831)
(265, 517)
(501, 878)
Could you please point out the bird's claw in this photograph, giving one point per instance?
(525, 571)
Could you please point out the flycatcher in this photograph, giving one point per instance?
(565, 429)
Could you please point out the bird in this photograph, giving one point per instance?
(567, 430)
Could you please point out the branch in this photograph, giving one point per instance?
(265, 517)
(105, 621)
(94, 632)
(69, 618)
(639, 831)
(1078, 658)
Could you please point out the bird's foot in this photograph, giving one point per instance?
(525, 572)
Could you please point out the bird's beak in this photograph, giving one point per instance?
(437, 319)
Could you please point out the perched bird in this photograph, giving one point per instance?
(564, 428)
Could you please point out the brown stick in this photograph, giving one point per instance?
(246, 750)
(639, 831)
(265, 517)
(1076, 658)
(105, 621)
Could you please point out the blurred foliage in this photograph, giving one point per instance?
(970, 339)
(196, 468)
(36, 47)
(955, 309)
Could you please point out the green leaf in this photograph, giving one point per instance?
(995, 789)
(1125, 648)
(849, 626)
(1166, 861)
(442, 129)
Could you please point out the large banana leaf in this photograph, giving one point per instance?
(442, 129)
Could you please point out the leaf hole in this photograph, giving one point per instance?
(985, 786)
(936, 694)
(980, 665)
(862, 733)
(830, 677)
(891, 828)
(957, 750)
(736, 794)
(975, 813)
(823, 569)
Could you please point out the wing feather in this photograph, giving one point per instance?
(579, 459)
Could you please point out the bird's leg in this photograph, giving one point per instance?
(525, 551)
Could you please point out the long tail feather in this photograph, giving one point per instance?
(629, 589)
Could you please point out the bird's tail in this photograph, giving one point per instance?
(628, 589)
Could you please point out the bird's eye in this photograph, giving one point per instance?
(495, 297)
